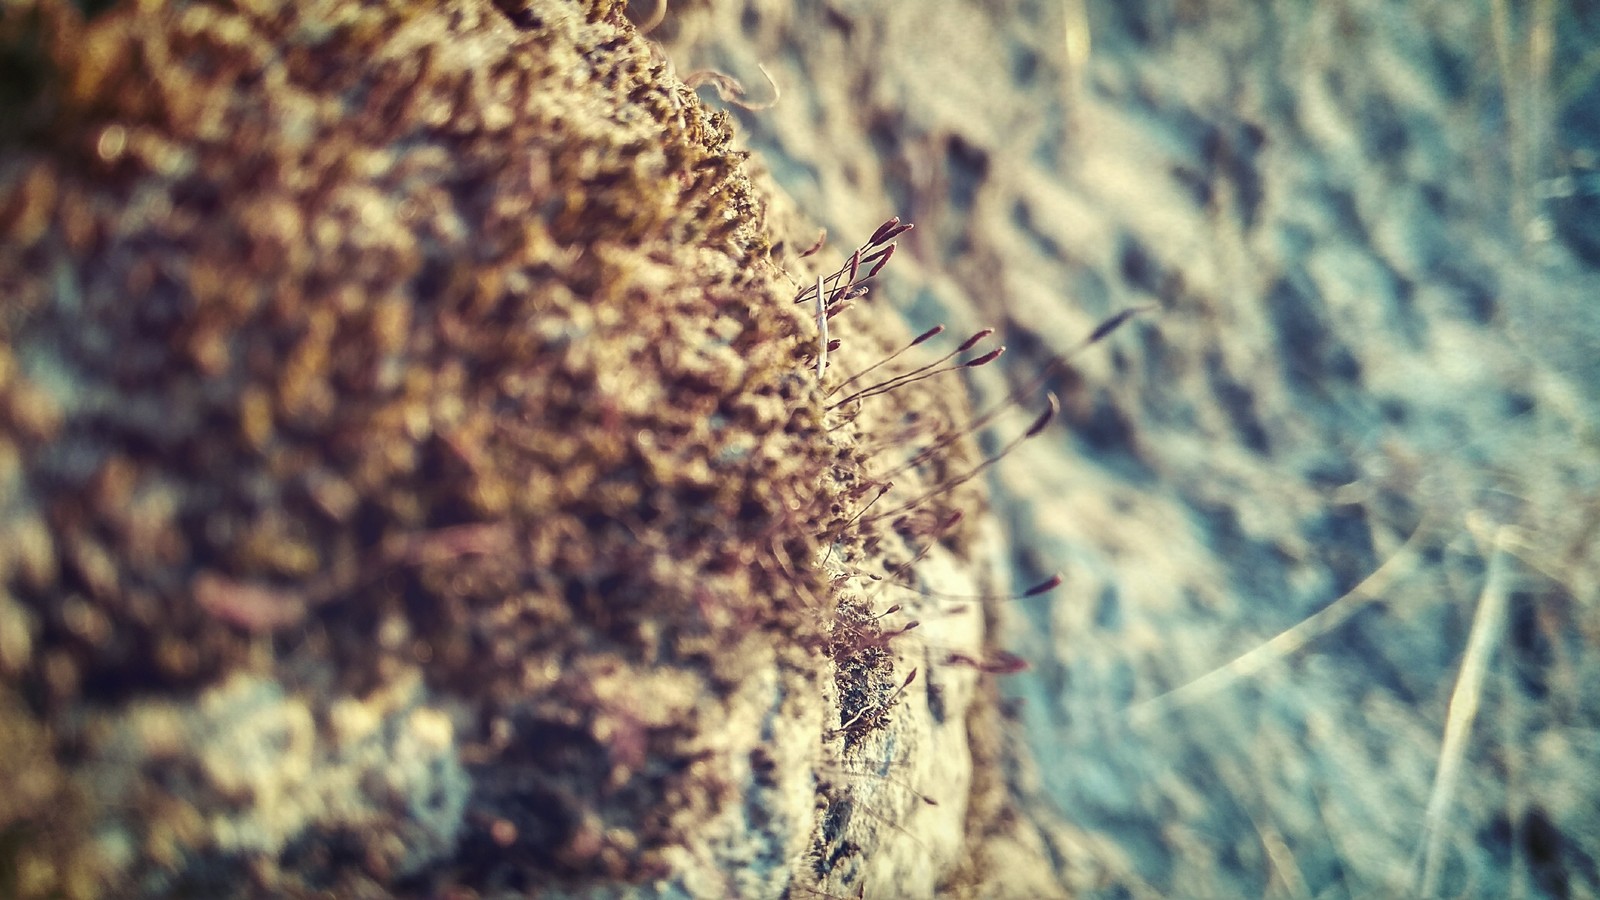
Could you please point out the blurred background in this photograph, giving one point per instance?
(1330, 515)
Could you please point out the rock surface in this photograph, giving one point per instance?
(1370, 382)
(417, 482)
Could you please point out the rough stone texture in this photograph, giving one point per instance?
(260, 779)
(416, 479)
(1375, 350)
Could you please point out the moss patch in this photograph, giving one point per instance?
(393, 336)
(344, 342)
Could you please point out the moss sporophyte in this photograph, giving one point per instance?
(353, 363)
(905, 476)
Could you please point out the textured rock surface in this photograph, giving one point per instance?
(414, 472)
(416, 476)
(1375, 348)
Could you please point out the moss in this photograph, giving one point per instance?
(362, 314)
(393, 336)
(36, 851)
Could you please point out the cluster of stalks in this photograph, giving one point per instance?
(833, 294)
(861, 638)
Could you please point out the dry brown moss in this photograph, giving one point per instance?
(389, 334)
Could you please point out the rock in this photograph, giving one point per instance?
(1370, 351)
(417, 479)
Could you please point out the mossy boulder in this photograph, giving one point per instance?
(379, 338)
(414, 468)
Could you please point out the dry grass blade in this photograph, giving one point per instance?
(1288, 642)
(1487, 626)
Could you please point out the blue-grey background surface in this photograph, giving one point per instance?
(1370, 230)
